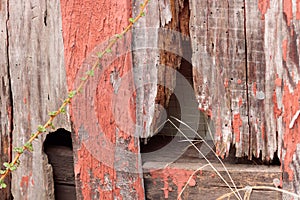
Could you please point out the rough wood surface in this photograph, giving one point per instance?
(5, 98)
(289, 101)
(106, 149)
(218, 43)
(205, 184)
(37, 75)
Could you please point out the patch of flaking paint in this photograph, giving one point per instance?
(288, 10)
(226, 83)
(237, 123)
(179, 177)
(291, 135)
(254, 88)
(263, 6)
(284, 49)
(298, 10)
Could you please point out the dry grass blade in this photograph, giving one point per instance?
(238, 196)
(234, 185)
(227, 195)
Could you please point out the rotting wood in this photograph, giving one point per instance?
(5, 98)
(167, 26)
(37, 74)
(218, 43)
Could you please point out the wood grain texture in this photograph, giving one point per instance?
(220, 82)
(290, 85)
(38, 80)
(205, 184)
(106, 149)
(5, 98)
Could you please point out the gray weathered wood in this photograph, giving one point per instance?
(218, 43)
(5, 98)
(37, 73)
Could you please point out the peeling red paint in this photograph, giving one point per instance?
(87, 24)
(284, 49)
(240, 101)
(298, 10)
(263, 6)
(178, 176)
(263, 131)
(24, 184)
(226, 83)
(239, 81)
(278, 82)
(276, 110)
(254, 88)
(288, 10)
(237, 123)
(291, 135)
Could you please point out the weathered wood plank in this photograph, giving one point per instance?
(218, 43)
(290, 87)
(106, 149)
(159, 39)
(36, 67)
(5, 98)
(205, 184)
(263, 25)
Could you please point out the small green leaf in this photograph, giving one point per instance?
(28, 146)
(52, 113)
(6, 164)
(63, 110)
(2, 185)
(41, 129)
(19, 149)
(108, 50)
(131, 20)
(83, 78)
(13, 168)
(119, 36)
(2, 172)
(51, 125)
(143, 14)
(100, 55)
(72, 94)
(90, 72)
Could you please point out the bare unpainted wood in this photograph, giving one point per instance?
(5, 98)
(161, 34)
(38, 81)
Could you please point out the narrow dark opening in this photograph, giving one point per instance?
(58, 147)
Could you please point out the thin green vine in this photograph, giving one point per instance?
(13, 165)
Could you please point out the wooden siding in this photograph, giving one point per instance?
(35, 62)
(5, 97)
(106, 152)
